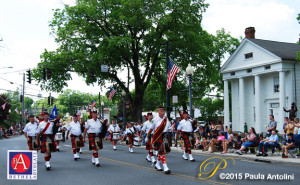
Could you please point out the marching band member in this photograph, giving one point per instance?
(60, 130)
(129, 132)
(93, 127)
(160, 126)
(186, 129)
(45, 136)
(30, 131)
(114, 128)
(75, 129)
(147, 125)
(82, 126)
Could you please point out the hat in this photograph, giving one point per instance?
(115, 117)
(46, 113)
(94, 112)
(149, 113)
(185, 112)
(74, 115)
(161, 108)
(31, 116)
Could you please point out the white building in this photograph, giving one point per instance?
(264, 77)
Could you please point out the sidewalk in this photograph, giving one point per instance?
(276, 158)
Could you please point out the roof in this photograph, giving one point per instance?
(286, 51)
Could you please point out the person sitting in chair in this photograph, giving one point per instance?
(289, 145)
(271, 141)
(251, 140)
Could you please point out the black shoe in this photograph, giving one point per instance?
(75, 159)
(167, 172)
(48, 168)
(193, 160)
(259, 154)
(57, 149)
(148, 160)
(158, 169)
(98, 165)
(265, 155)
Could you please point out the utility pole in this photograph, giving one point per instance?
(99, 105)
(23, 104)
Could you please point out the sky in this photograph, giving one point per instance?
(25, 33)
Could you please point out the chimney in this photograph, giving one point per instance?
(250, 33)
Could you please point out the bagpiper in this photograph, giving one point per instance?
(30, 133)
(114, 131)
(186, 129)
(94, 128)
(76, 136)
(130, 132)
(45, 138)
(160, 126)
(146, 127)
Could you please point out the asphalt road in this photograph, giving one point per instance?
(122, 167)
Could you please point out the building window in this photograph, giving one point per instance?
(271, 112)
(276, 84)
(249, 70)
(267, 67)
(232, 73)
(248, 55)
(274, 105)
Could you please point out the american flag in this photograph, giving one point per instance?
(172, 71)
(3, 106)
(111, 93)
(17, 110)
(93, 104)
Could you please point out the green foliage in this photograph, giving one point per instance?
(211, 108)
(134, 34)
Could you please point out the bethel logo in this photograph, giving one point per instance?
(22, 164)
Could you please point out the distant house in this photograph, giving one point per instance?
(264, 77)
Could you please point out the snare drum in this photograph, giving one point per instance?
(116, 136)
(58, 136)
(136, 141)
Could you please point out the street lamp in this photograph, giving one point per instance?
(189, 72)
(124, 114)
(102, 105)
(6, 67)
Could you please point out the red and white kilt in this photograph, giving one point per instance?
(186, 140)
(73, 141)
(158, 145)
(92, 143)
(148, 144)
(130, 139)
(43, 145)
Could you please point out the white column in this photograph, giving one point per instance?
(242, 104)
(281, 100)
(257, 104)
(226, 103)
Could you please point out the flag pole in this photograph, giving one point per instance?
(168, 90)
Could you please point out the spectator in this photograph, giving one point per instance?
(229, 141)
(272, 141)
(289, 145)
(296, 124)
(217, 141)
(290, 127)
(251, 141)
(205, 142)
(245, 127)
(238, 143)
(213, 127)
(286, 119)
(1, 131)
(271, 126)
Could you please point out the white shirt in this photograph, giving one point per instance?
(147, 126)
(114, 128)
(42, 125)
(157, 121)
(93, 126)
(30, 129)
(129, 130)
(138, 127)
(75, 128)
(185, 126)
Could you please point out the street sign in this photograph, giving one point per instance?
(104, 68)
(175, 99)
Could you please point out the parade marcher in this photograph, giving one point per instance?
(147, 126)
(186, 129)
(30, 131)
(60, 130)
(76, 137)
(130, 131)
(114, 131)
(45, 138)
(160, 126)
(94, 127)
(82, 126)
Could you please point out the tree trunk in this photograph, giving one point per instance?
(138, 103)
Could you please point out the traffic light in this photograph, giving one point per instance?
(44, 74)
(21, 98)
(48, 100)
(49, 72)
(28, 74)
(52, 100)
(92, 75)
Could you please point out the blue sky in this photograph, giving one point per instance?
(25, 31)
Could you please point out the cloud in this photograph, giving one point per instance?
(271, 19)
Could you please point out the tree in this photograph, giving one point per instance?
(124, 34)
(298, 54)
(4, 113)
(211, 108)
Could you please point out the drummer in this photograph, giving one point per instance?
(147, 126)
(114, 131)
(130, 131)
